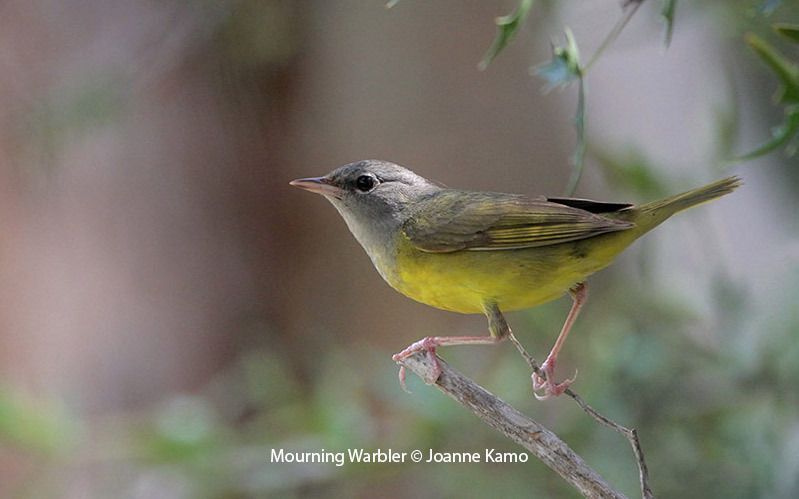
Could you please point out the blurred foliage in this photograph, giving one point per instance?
(563, 69)
(74, 109)
(631, 171)
(789, 31)
(564, 66)
(668, 10)
(769, 6)
(39, 426)
(507, 26)
(787, 95)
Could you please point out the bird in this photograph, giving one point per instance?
(477, 252)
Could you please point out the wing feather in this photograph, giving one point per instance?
(451, 220)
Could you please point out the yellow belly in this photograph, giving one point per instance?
(464, 281)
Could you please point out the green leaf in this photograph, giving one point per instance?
(786, 71)
(789, 31)
(507, 27)
(564, 66)
(667, 12)
(780, 136)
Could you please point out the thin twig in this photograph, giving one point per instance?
(526, 432)
(578, 160)
(630, 8)
(629, 433)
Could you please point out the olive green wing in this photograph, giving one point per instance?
(453, 220)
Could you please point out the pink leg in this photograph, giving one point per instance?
(430, 343)
(579, 294)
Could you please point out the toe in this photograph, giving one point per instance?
(538, 382)
(401, 376)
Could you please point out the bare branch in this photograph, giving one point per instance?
(526, 432)
(630, 433)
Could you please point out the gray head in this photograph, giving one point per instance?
(373, 196)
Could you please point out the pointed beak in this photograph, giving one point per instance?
(319, 185)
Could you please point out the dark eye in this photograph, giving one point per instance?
(365, 183)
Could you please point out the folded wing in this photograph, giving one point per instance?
(453, 220)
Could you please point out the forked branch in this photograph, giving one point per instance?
(531, 435)
(629, 433)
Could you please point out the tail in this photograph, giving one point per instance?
(674, 204)
(662, 209)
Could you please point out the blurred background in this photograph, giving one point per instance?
(171, 310)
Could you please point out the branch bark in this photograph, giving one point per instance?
(531, 435)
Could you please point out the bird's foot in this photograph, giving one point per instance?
(428, 345)
(547, 383)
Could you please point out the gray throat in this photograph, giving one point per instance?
(377, 235)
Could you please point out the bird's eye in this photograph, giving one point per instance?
(365, 183)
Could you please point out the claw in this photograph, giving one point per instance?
(426, 344)
(546, 383)
(402, 379)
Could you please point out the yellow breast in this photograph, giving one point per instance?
(464, 281)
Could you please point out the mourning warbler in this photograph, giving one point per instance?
(487, 252)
